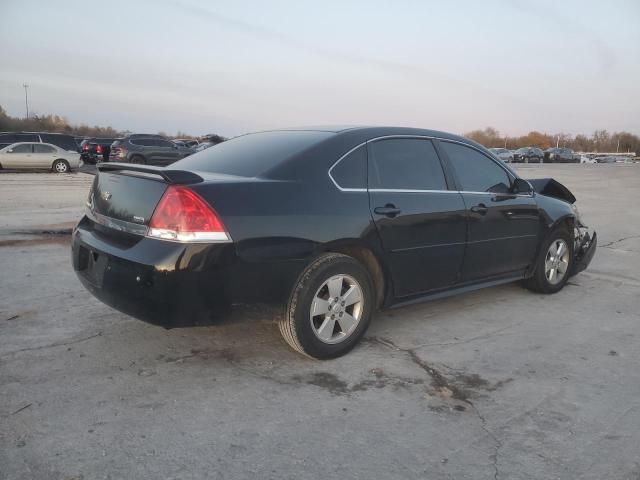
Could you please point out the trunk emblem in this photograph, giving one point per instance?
(106, 196)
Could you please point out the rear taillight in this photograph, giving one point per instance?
(98, 148)
(183, 216)
(85, 148)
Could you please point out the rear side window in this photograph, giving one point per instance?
(66, 142)
(405, 164)
(476, 172)
(143, 142)
(40, 148)
(163, 143)
(351, 171)
(254, 154)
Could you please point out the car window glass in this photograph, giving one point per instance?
(143, 142)
(163, 143)
(351, 171)
(476, 172)
(22, 148)
(405, 164)
(40, 148)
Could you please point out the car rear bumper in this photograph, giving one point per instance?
(173, 284)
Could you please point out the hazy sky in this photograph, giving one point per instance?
(236, 66)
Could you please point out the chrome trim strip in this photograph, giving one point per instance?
(407, 190)
(115, 224)
(426, 137)
(337, 162)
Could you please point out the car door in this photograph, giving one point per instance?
(420, 219)
(43, 155)
(19, 155)
(168, 151)
(503, 227)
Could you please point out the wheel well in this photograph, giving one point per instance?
(365, 256)
(59, 160)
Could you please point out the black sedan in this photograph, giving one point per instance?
(330, 223)
(528, 155)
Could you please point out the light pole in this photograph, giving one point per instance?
(26, 98)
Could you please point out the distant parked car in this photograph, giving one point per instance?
(154, 150)
(561, 155)
(94, 150)
(187, 142)
(38, 155)
(503, 154)
(611, 159)
(62, 140)
(204, 146)
(587, 159)
(528, 155)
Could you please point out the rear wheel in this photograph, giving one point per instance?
(553, 264)
(60, 166)
(139, 159)
(330, 307)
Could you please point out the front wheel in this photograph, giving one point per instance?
(330, 307)
(60, 166)
(554, 263)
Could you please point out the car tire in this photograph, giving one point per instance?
(60, 166)
(337, 325)
(543, 280)
(138, 159)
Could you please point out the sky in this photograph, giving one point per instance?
(237, 66)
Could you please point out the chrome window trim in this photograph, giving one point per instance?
(510, 174)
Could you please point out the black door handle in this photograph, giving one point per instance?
(389, 210)
(480, 208)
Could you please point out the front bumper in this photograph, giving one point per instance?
(584, 249)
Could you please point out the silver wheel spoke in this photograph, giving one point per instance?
(335, 286)
(319, 307)
(325, 332)
(560, 250)
(352, 296)
(562, 266)
(347, 322)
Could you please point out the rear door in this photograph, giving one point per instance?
(168, 152)
(44, 155)
(503, 227)
(420, 219)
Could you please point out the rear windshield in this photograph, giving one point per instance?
(252, 155)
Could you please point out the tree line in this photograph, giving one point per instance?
(598, 141)
(58, 124)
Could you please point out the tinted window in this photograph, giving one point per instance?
(163, 143)
(405, 164)
(66, 142)
(351, 171)
(254, 154)
(143, 142)
(23, 148)
(476, 172)
(40, 148)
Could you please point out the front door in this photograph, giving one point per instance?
(421, 222)
(20, 156)
(503, 227)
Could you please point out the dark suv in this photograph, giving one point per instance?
(94, 150)
(561, 155)
(528, 155)
(66, 142)
(143, 149)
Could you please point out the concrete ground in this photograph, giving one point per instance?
(500, 383)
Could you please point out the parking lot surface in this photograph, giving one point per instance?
(500, 383)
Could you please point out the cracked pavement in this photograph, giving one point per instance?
(496, 384)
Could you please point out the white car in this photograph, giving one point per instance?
(585, 159)
(38, 155)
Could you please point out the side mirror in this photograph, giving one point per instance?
(521, 186)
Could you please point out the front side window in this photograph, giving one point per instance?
(22, 148)
(476, 172)
(405, 164)
(40, 148)
(351, 171)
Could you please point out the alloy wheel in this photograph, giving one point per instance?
(336, 309)
(556, 261)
